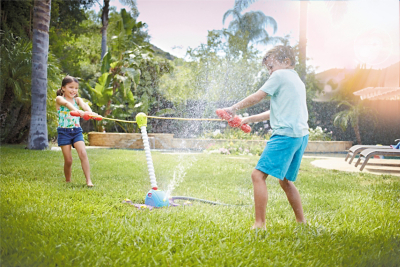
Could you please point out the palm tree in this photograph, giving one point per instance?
(104, 22)
(336, 9)
(38, 138)
(250, 26)
(352, 115)
(303, 40)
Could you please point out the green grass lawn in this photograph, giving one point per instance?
(353, 218)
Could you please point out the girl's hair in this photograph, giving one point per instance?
(280, 53)
(68, 79)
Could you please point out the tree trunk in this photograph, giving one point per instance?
(357, 132)
(38, 137)
(104, 21)
(303, 40)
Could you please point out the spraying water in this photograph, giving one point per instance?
(179, 173)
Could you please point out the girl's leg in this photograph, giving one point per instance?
(81, 149)
(66, 150)
(260, 197)
(294, 199)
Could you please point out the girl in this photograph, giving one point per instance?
(69, 130)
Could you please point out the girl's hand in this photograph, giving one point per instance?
(81, 113)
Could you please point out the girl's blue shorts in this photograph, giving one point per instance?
(282, 155)
(69, 136)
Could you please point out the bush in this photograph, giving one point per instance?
(235, 133)
(237, 148)
(318, 134)
(86, 138)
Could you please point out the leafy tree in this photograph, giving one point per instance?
(17, 16)
(66, 27)
(124, 71)
(216, 72)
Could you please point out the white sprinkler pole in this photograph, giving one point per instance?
(141, 120)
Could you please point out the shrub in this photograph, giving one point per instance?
(237, 148)
(318, 134)
(236, 134)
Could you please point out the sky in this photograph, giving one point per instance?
(340, 34)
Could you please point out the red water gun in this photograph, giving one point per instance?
(86, 116)
(233, 121)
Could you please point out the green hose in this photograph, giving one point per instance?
(207, 201)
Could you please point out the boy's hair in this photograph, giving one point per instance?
(68, 79)
(280, 53)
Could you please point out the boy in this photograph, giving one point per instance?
(288, 117)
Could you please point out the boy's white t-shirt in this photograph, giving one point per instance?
(288, 115)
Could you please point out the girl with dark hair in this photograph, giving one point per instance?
(69, 129)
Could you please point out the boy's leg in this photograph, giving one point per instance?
(81, 149)
(66, 150)
(260, 197)
(294, 199)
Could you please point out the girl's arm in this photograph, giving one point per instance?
(249, 101)
(62, 102)
(256, 118)
(83, 105)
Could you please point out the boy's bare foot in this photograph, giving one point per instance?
(67, 181)
(258, 226)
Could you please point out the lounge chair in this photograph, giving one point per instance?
(355, 150)
(366, 154)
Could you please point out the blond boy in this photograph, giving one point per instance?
(288, 118)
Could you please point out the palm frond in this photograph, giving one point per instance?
(243, 4)
(231, 12)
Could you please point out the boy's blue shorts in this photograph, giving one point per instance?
(282, 155)
(69, 136)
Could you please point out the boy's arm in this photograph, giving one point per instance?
(249, 101)
(256, 118)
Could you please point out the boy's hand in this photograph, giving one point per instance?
(245, 120)
(230, 111)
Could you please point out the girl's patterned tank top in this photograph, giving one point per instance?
(65, 120)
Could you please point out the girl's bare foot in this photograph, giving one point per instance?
(89, 184)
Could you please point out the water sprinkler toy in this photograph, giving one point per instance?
(233, 121)
(155, 197)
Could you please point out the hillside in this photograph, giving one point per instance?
(161, 53)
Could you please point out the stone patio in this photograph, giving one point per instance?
(374, 166)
